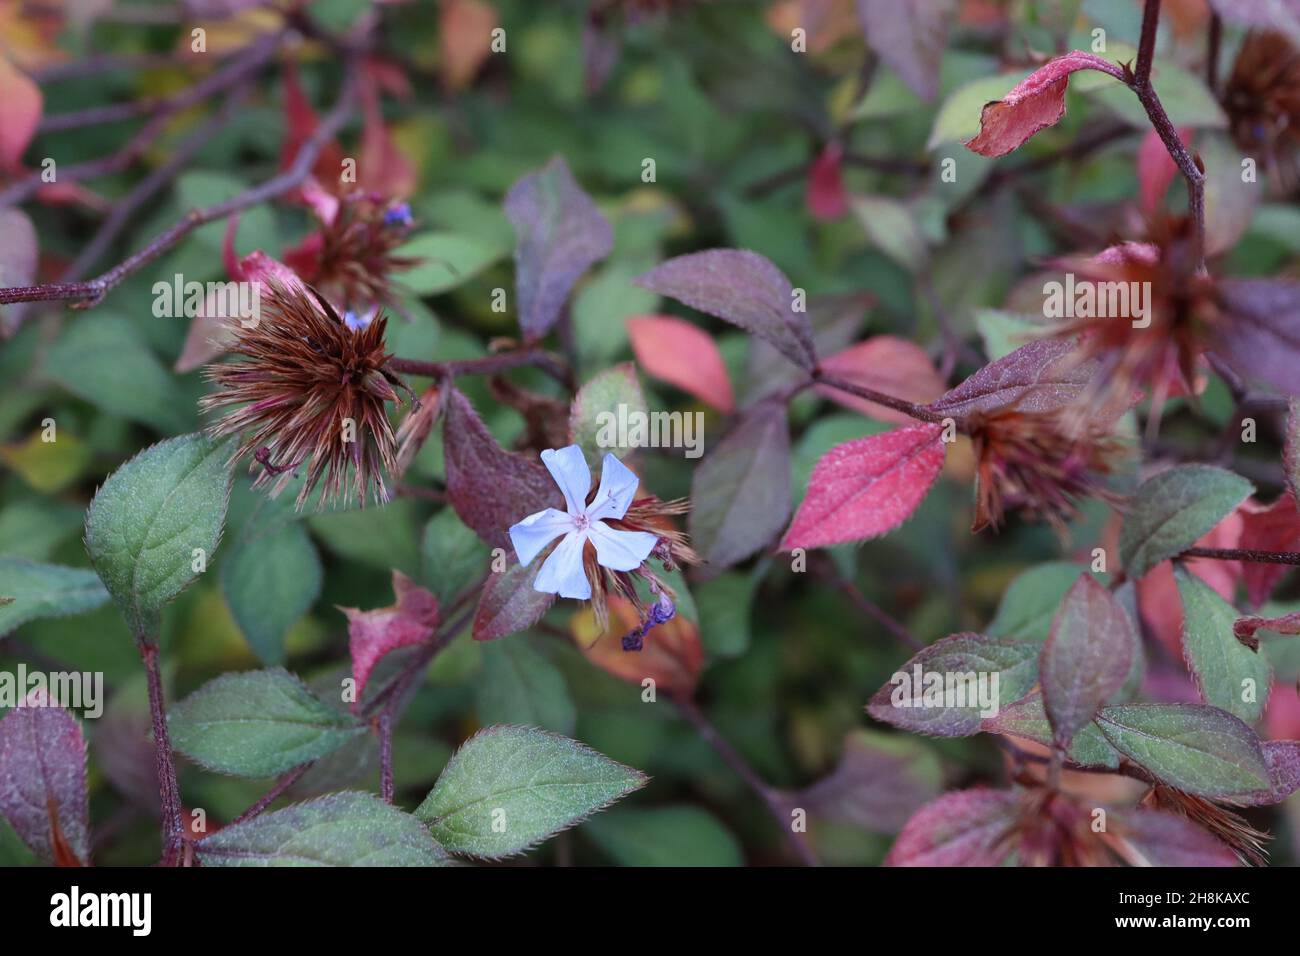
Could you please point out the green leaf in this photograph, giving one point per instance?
(1004, 332)
(270, 580)
(1026, 718)
(453, 556)
(518, 685)
(31, 589)
(1199, 749)
(892, 228)
(725, 604)
(448, 259)
(107, 363)
(1172, 510)
(959, 117)
(1187, 100)
(257, 724)
(664, 836)
(386, 537)
(153, 519)
(342, 829)
(1030, 602)
(529, 783)
(610, 400)
(1230, 675)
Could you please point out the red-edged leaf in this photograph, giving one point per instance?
(679, 353)
(1274, 527)
(43, 780)
(561, 234)
(509, 602)
(965, 828)
(1259, 334)
(411, 619)
(740, 494)
(867, 487)
(1038, 377)
(910, 38)
(886, 364)
(20, 112)
(827, 198)
(1036, 103)
(1146, 837)
(1086, 658)
(1156, 170)
(489, 487)
(743, 288)
(1244, 628)
(464, 40)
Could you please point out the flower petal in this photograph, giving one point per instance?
(620, 550)
(537, 531)
(562, 571)
(617, 486)
(569, 468)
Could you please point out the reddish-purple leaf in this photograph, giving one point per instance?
(879, 783)
(1245, 627)
(18, 257)
(1259, 331)
(867, 487)
(1274, 527)
(509, 602)
(740, 494)
(20, 112)
(1036, 103)
(411, 619)
(679, 353)
(884, 363)
(489, 487)
(836, 321)
(827, 198)
(1291, 451)
(1086, 658)
(1044, 375)
(743, 288)
(910, 38)
(965, 828)
(1145, 837)
(43, 780)
(1155, 170)
(1283, 759)
(561, 235)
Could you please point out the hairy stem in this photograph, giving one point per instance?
(911, 409)
(385, 730)
(173, 826)
(1245, 554)
(488, 365)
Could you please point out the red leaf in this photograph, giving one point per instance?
(300, 122)
(509, 602)
(909, 36)
(886, 364)
(1244, 628)
(867, 487)
(411, 619)
(489, 487)
(826, 198)
(1156, 169)
(382, 168)
(1038, 377)
(964, 828)
(1036, 103)
(1275, 527)
(43, 780)
(679, 353)
(20, 112)
(464, 40)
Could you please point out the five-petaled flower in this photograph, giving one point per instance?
(563, 571)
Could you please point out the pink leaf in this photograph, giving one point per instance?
(1156, 170)
(826, 198)
(909, 36)
(1086, 658)
(372, 634)
(965, 828)
(1038, 377)
(1147, 837)
(509, 602)
(1275, 527)
(679, 353)
(489, 487)
(1036, 103)
(20, 112)
(886, 364)
(740, 287)
(867, 487)
(43, 780)
(1244, 628)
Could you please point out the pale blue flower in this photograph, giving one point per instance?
(562, 572)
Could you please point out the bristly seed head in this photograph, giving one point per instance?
(309, 391)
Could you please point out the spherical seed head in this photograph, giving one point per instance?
(308, 392)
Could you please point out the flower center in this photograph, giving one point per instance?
(581, 522)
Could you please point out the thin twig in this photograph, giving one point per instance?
(279, 789)
(1245, 554)
(384, 729)
(867, 606)
(173, 826)
(776, 804)
(488, 365)
(911, 409)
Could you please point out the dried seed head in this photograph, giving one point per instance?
(308, 391)
(1262, 100)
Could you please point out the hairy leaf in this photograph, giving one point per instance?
(43, 780)
(611, 397)
(509, 602)
(1173, 509)
(411, 619)
(1038, 377)
(34, 590)
(270, 580)
(965, 828)
(1229, 675)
